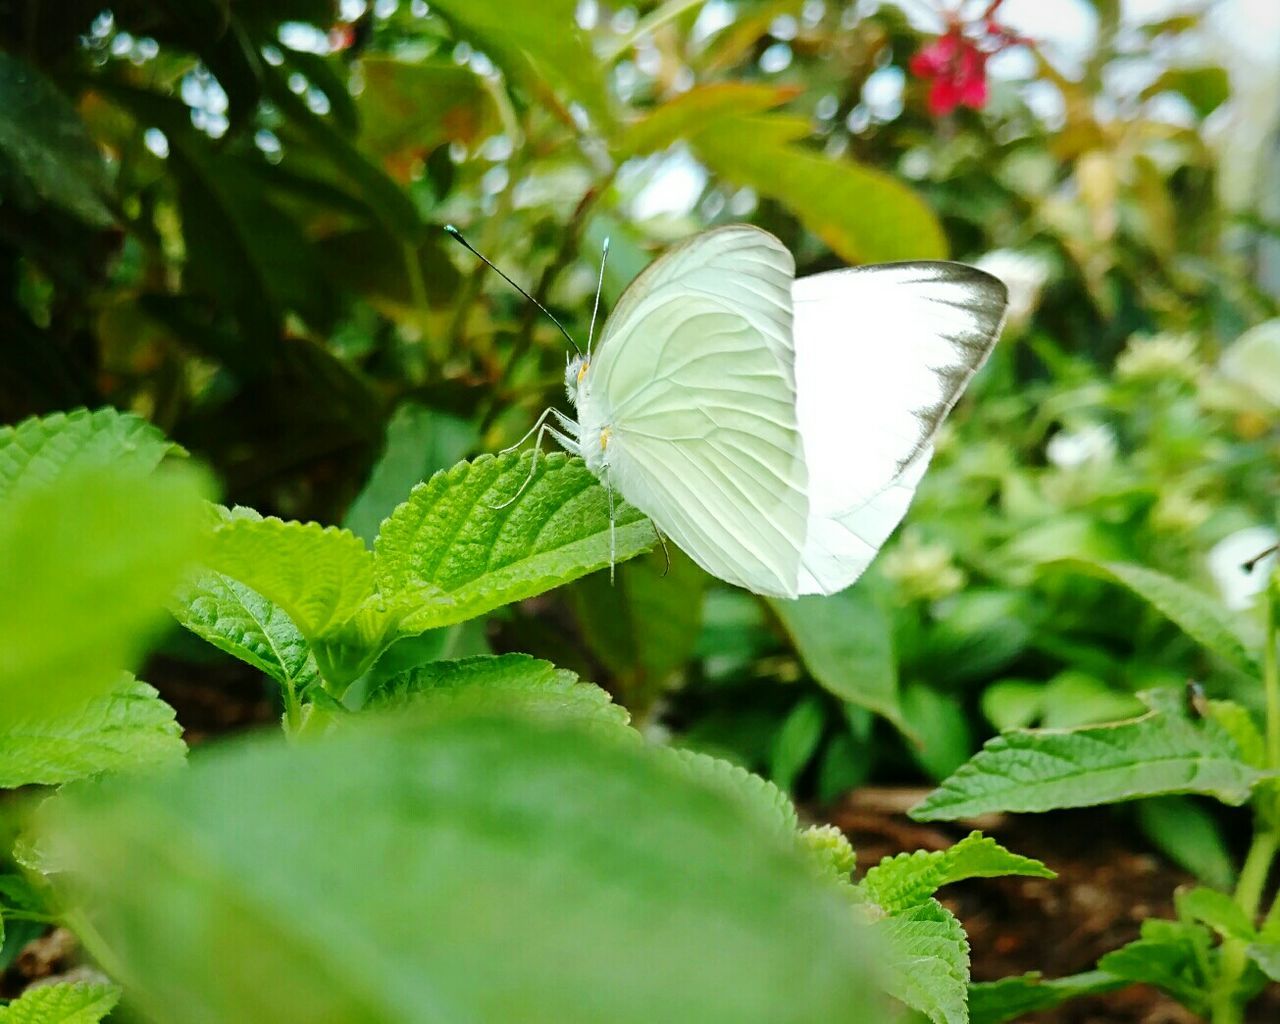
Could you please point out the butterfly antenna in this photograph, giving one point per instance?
(457, 237)
(1248, 566)
(604, 255)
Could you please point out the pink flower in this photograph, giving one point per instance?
(955, 64)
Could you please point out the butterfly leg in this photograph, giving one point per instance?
(666, 553)
(542, 428)
(537, 425)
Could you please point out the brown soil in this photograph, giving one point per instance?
(1108, 883)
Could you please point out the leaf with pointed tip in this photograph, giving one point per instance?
(1164, 751)
(128, 729)
(65, 1003)
(448, 554)
(898, 883)
(237, 619)
(927, 961)
(37, 451)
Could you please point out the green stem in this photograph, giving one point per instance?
(1271, 679)
(1257, 866)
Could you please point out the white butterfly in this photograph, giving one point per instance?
(776, 429)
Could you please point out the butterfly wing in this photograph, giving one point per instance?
(882, 354)
(694, 387)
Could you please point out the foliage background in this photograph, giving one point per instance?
(226, 217)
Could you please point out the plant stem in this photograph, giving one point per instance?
(1257, 866)
(669, 11)
(1271, 679)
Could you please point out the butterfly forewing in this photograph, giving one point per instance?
(692, 398)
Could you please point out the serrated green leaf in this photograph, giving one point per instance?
(505, 682)
(832, 848)
(65, 1003)
(1200, 616)
(320, 576)
(1168, 956)
(846, 643)
(927, 961)
(994, 1002)
(589, 866)
(771, 806)
(1161, 753)
(128, 729)
(447, 554)
(865, 215)
(96, 556)
(903, 881)
(39, 450)
(44, 146)
(237, 619)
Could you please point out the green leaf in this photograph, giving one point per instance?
(796, 741)
(946, 741)
(543, 45)
(1013, 703)
(237, 619)
(864, 215)
(90, 562)
(498, 683)
(39, 450)
(927, 964)
(450, 555)
(590, 868)
(65, 1003)
(408, 108)
(420, 442)
(644, 625)
(1215, 909)
(45, 149)
(320, 576)
(846, 643)
(692, 112)
(832, 848)
(900, 882)
(759, 797)
(1190, 837)
(1168, 956)
(994, 1002)
(1205, 88)
(128, 729)
(1200, 616)
(1164, 752)
(1267, 956)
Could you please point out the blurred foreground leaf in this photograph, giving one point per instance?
(88, 564)
(485, 870)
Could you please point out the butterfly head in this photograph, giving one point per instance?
(574, 372)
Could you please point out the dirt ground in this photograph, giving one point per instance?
(1107, 885)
